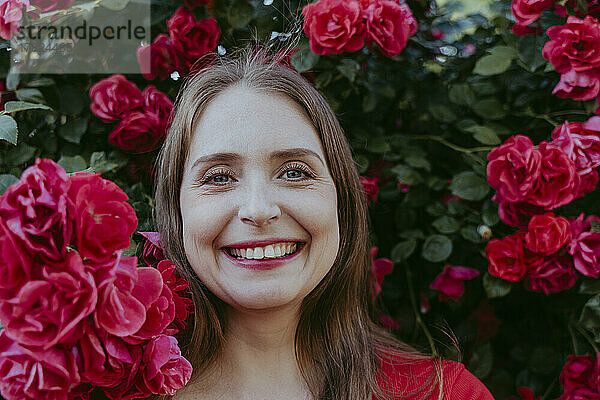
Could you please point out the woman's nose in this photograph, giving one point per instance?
(258, 207)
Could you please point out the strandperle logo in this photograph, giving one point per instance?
(101, 36)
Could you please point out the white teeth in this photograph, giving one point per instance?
(270, 251)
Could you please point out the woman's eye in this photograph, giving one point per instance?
(293, 173)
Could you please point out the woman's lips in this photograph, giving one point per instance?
(265, 263)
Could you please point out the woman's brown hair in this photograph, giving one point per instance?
(338, 343)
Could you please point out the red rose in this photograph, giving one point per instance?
(381, 267)
(526, 394)
(547, 233)
(152, 252)
(15, 265)
(123, 362)
(150, 290)
(579, 372)
(48, 311)
(557, 183)
(528, 11)
(164, 369)
(389, 24)
(450, 281)
(158, 104)
(103, 218)
(119, 313)
(585, 246)
(334, 26)
(370, 187)
(515, 214)
(11, 12)
(192, 39)
(51, 5)
(113, 97)
(506, 257)
(137, 132)
(521, 30)
(159, 58)
(514, 168)
(178, 286)
(36, 208)
(553, 275)
(580, 86)
(574, 46)
(43, 374)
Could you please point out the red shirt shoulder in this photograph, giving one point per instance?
(417, 380)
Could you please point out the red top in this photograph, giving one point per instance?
(406, 377)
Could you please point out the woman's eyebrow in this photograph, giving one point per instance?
(278, 154)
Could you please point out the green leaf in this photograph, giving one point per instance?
(495, 287)
(530, 51)
(20, 154)
(362, 163)
(378, 144)
(412, 234)
(446, 224)
(442, 113)
(469, 186)
(40, 82)
(72, 163)
(595, 226)
(369, 102)
(403, 250)
(349, 68)
(5, 181)
(418, 162)
(590, 286)
(30, 95)
(114, 5)
(437, 248)
(304, 60)
(435, 209)
(480, 363)
(12, 79)
(590, 315)
(407, 175)
(470, 233)
(503, 51)
(100, 163)
(492, 64)
(462, 94)
(8, 129)
(489, 109)
(14, 106)
(483, 134)
(73, 130)
(131, 250)
(240, 13)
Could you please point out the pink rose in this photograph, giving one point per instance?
(381, 267)
(515, 214)
(51, 5)
(43, 374)
(103, 218)
(158, 104)
(36, 208)
(150, 290)
(181, 297)
(553, 275)
(581, 142)
(11, 12)
(123, 363)
(113, 97)
(450, 281)
(164, 369)
(580, 372)
(558, 182)
(119, 312)
(547, 233)
(159, 58)
(528, 11)
(389, 24)
(580, 86)
(585, 246)
(49, 311)
(514, 168)
(370, 187)
(152, 252)
(574, 46)
(334, 26)
(137, 132)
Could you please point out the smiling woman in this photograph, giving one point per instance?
(259, 204)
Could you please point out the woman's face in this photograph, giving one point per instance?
(256, 184)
